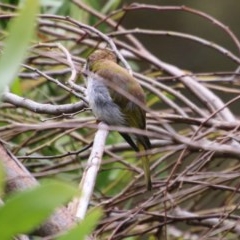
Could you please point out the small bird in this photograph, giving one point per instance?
(105, 80)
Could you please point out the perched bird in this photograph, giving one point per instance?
(106, 84)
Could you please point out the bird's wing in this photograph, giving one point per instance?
(123, 86)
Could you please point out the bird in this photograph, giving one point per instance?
(109, 86)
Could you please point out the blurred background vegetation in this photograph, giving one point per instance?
(197, 58)
(195, 165)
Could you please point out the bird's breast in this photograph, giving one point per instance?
(101, 102)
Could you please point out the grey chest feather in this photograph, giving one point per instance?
(101, 102)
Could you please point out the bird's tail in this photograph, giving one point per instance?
(146, 166)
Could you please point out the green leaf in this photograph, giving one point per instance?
(21, 31)
(16, 87)
(111, 5)
(24, 211)
(78, 13)
(85, 227)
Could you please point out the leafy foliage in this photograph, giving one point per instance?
(23, 26)
(24, 211)
(84, 228)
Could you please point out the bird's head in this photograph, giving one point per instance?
(101, 54)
